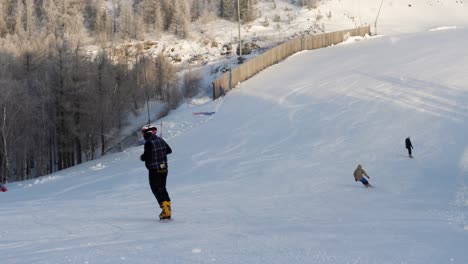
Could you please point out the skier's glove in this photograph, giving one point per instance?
(142, 157)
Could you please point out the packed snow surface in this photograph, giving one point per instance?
(268, 177)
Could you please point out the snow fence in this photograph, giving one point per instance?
(274, 55)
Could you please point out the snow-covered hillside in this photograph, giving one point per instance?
(268, 177)
(279, 20)
(202, 52)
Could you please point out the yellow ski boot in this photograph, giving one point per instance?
(166, 210)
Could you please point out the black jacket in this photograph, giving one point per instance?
(155, 155)
(408, 143)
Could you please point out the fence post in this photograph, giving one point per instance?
(214, 90)
(230, 79)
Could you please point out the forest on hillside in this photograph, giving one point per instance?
(59, 106)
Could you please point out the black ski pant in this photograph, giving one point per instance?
(409, 151)
(157, 181)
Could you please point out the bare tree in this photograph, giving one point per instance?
(209, 10)
(102, 109)
(186, 7)
(126, 24)
(165, 80)
(75, 102)
(19, 25)
(192, 82)
(3, 21)
(6, 129)
(103, 23)
(308, 3)
(227, 8)
(150, 13)
(30, 18)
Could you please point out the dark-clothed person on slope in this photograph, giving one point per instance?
(155, 158)
(409, 146)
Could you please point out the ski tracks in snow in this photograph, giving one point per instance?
(461, 199)
(435, 99)
(179, 124)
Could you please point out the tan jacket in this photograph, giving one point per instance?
(359, 172)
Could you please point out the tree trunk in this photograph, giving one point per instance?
(6, 155)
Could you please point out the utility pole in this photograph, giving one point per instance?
(378, 13)
(239, 59)
(230, 66)
(146, 89)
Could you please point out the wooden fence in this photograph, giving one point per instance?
(251, 67)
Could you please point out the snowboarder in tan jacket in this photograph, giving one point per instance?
(359, 174)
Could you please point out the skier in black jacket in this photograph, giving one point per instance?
(155, 158)
(409, 146)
